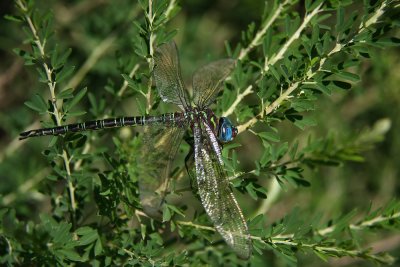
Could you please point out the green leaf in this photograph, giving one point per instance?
(65, 94)
(47, 26)
(88, 235)
(42, 76)
(28, 57)
(315, 34)
(343, 222)
(339, 19)
(348, 63)
(226, 148)
(323, 17)
(319, 48)
(64, 73)
(274, 72)
(311, 5)
(348, 76)
(176, 210)
(323, 88)
(141, 106)
(389, 41)
(269, 136)
(38, 104)
(141, 48)
(98, 248)
(256, 191)
(13, 18)
(52, 177)
(314, 61)
(326, 42)
(167, 37)
(166, 214)
(293, 150)
(58, 61)
(321, 255)
(351, 157)
(341, 85)
(131, 83)
(305, 122)
(267, 41)
(61, 234)
(301, 182)
(75, 100)
(70, 254)
(306, 44)
(302, 105)
(54, 56)
(75, 113)
(285, 72)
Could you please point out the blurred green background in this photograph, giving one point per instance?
(203, 27)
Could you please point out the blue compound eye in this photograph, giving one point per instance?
(226, 130)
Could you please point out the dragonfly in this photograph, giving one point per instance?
(209, 134)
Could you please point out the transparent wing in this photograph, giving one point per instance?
(209, 79)
(216, 193)
(160, 147)
(167, 74)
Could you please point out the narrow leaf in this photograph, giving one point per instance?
(76, 99)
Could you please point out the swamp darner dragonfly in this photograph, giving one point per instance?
(209, 133)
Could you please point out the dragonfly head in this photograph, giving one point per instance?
(226, 130)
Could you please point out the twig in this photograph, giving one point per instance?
(382, 245)
(150, 17)
(273, 194)
(275, 58)
(67, 15)
(25, 187)
(94, 57)
(8, 75)
(270, 107)
(169, 9)
(260, 34)
(238, 99)
(198, 226)
(125, 83)
(15, 144)
(363, 225)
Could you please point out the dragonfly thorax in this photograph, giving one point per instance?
(223, 128)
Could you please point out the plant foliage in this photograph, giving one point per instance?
(87, 207)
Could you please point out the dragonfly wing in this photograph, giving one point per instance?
(167, 74)
(216, 193)
(209, 79)
(161, 145)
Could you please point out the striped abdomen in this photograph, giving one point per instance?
(168, 119)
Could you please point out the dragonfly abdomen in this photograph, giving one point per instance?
(167, 119)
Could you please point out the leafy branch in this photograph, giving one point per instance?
(320, 241)
(261, 32)
(50, 71)
(253, 44)
(310, 74)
